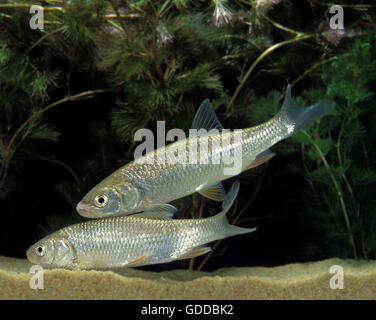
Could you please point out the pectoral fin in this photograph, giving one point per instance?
(159, 211)
(195, 253)
(261, 158)
(214, 192)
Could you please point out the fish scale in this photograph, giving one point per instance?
(178, 180)
(139, 186)
(133, 240)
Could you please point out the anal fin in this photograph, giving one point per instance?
(195, 253)
(135, 261)
(261, 159)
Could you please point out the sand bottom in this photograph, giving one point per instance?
(293, 281)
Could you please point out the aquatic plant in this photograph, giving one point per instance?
(73, 94)
(337, 155)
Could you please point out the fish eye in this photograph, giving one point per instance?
(40, 251)
(101, 200)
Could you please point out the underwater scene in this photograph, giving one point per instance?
(177, 149)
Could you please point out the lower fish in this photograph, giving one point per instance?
(131, 241)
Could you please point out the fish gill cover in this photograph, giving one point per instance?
(73, 94)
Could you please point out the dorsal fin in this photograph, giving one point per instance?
(206, 118)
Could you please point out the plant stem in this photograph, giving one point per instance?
(314, 66)
(192, 261)
(208, 255)
(24, 5)
(60, 163)
(356, 6)
(41, 39)
(279, 26)
(9, 154)
(338, 190)
(140, 45)
(235, 220)
(305, 167)
(344, 177)
(123, 16)
(160, 12)
(299, 37)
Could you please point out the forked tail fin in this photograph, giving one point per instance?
(299, 117)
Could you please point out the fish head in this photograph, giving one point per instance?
(104, 201)
(52, 251)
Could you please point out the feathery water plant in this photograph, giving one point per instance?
(157, 60)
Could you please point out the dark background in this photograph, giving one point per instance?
(37, 206)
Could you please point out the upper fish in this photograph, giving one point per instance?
(155, 182)
(131, 241)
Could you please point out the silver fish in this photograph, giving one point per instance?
(130, 241)
(146, 186)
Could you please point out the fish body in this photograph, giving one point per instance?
(139, 186)
(130, 241)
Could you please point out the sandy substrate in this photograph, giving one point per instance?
(294, 281)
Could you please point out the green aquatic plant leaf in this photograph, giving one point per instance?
(7, 185)
(263, 108)
(44, 132)
(342, 139)
(160, 59)
(363, 176)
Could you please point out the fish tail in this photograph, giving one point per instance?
(300, 118)
(229, 229)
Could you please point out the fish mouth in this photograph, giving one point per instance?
(85, 210)
(30, 256)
